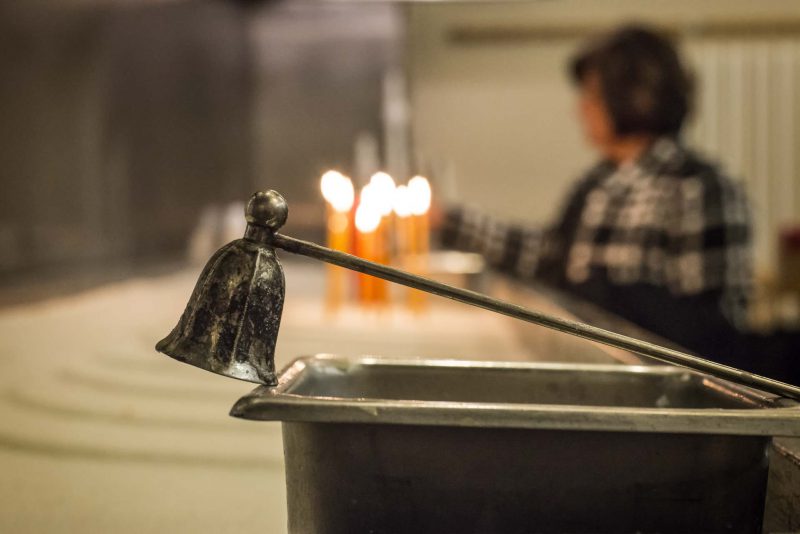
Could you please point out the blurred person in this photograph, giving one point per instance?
(653, 232)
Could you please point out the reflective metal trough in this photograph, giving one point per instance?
(378, 445)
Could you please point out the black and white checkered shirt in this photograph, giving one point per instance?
(669, 221)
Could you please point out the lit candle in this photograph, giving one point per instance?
(367, 221)
(402, 211)
(337, 190)
(382, 188)
(419, 191)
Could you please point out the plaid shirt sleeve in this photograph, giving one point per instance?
(516, 249)
(512, 248)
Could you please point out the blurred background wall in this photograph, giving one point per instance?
(122, 121)
(118, 124)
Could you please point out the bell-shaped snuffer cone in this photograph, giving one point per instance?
(231, 322)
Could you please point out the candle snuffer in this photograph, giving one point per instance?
(231, 323)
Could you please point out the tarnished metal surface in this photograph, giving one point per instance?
(376, 445)
(518, 395)
(231, 322)
(347, 478)
(782, 512)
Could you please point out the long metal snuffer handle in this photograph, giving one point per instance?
(575, 328)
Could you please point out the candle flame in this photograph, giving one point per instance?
(328, 184)
(367, 197)
(367, 218)
(338, 190)
(402, 201)
(382, 186)
(420, 192)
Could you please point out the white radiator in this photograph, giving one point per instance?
(748, 117)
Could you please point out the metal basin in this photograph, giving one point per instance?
(375, 445)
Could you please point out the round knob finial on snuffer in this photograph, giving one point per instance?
(268, 209)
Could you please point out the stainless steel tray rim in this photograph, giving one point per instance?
(740, 422)
(279, 404)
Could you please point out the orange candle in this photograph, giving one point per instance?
(338, 192)
(402, 223)
(419, 191)
(338, 239)
(367, 221)
(380, 195)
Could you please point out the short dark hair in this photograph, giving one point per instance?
(644, 84)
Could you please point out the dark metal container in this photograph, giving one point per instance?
(376, 445)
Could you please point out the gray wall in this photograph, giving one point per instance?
(121, 121)
(319, 78)
(118, 125)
